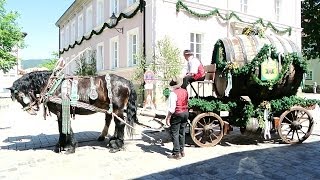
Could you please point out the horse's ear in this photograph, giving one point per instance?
(12, 90)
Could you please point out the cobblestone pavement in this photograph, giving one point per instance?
(27, 141)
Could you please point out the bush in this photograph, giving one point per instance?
(309, 89)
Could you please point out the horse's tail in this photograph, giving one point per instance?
(131, 109)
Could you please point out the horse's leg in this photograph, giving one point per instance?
(117, 141)
(72, 142)
(105, 130)
(62, 137)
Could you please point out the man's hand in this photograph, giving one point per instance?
(168, 120)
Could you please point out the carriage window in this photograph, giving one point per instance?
(196, 44)
(114, 52)
(114, 7)
(100, 12)
(309, 75)
(133, 46)
(89, 19)
(244, 6)
(100, 57)
(80, 26)
(277, 4)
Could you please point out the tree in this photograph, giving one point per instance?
(310, 22)
(51, 64)
(11, 37)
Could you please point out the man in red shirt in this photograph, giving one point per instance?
(177, 117)
(195, 70)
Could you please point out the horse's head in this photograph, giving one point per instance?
(26, 88)
(24, 99)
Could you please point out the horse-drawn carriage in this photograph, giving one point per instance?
(255, 80)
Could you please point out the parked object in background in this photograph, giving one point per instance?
(315, 87)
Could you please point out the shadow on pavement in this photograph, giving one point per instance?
(285, 162)
(48, 141)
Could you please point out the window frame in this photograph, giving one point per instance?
(112, 7)
(101, 44)
(89, 17)
(244, 6)
(113, 54)
(131, 57)
(309, 75)
(100, 15)
(73, 31)
(193, 44)
(277, 7)
(80, 25)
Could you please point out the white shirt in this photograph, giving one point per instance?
(172, 102)
(193, 65)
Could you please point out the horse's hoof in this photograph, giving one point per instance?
(101, 138)
(114, 150)
(57, 149)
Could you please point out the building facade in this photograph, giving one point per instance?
(190, 24)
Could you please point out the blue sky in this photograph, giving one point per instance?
(38, 18)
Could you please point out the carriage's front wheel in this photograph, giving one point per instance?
(207, 129)
(296, 125)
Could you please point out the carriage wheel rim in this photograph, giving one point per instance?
(207, 129)
(296, 125)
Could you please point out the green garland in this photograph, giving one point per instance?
(242, 111)
(216, 12)
(105, 25)
(263, 54)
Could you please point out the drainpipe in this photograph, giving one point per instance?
(143, 10)
(59, 42)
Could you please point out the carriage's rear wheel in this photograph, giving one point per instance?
(296, 125)
(207, 129)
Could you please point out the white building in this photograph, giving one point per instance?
(179, 20)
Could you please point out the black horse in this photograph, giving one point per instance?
(26, 91)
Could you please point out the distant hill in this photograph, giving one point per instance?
(30, 63)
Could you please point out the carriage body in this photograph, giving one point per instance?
(253, 76)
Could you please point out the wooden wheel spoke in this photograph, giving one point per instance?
(204, 120)
(199, 129)
(200, 123)
(292, 134)
(198, 133)
(288, 119)
(304, 121)
(302, 131)
(301, 116)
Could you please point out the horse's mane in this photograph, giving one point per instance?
(32, 81)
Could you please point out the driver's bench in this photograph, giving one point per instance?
(210, 71)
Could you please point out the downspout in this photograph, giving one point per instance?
(143, 10)
(59, 42)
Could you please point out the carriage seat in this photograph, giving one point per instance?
(210, 71)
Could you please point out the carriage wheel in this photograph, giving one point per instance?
(296, 125)
(207, 129)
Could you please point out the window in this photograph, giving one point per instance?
(89, 19)
(62, 39)
(114, 7)
(114, 52)
(130, 2)
(309, 75)
(196, 44)
(80, 26)
(132, 46)
(67, 34)
(100, 12)
(244, 6)
(277, 4)
(73, 31)
(100, 56)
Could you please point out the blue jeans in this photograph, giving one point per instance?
(178, 125)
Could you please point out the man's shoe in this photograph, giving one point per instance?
(182, 154)
(174, 156)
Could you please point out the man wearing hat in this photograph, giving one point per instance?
(177, 117)
(195, 70)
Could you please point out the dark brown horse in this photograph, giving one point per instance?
(26, 91)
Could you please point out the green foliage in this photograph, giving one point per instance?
(51, 64)
(263, 54)
(11, 38)
(215, 12)
(311, 28)
(86, 65)
(167, 60)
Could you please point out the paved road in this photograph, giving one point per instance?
(27, 141)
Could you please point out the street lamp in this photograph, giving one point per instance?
(113, 21)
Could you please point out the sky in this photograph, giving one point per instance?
(37, 19)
